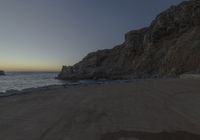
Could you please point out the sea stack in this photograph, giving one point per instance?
(2, 72)
(170, 46)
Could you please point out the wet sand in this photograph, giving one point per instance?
(142, 110)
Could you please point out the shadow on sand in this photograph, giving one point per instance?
(134, 135)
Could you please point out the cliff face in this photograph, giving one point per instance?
(168, 47)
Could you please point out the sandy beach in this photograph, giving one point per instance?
(141, 110)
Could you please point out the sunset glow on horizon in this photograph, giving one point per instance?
(27, 68)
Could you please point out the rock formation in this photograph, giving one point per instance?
(170, 46)
(2, 72)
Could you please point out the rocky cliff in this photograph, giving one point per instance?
(170, 46)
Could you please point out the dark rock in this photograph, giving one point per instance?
(2, 72)
(170, 46)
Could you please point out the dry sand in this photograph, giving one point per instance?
(142, 110)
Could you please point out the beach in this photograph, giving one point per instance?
(154, 109)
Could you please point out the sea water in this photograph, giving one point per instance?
(24, 80)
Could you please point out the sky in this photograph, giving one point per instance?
(43, 35)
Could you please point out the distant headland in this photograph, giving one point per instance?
(2, 72)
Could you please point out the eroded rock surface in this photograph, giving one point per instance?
(170, 46)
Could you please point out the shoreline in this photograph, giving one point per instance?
(14, 92)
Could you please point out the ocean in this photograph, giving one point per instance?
(17, 81)
(24, 80)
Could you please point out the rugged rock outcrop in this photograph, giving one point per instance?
(2, 72)
(170, 46)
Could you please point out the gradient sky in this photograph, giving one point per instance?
(46, 34)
